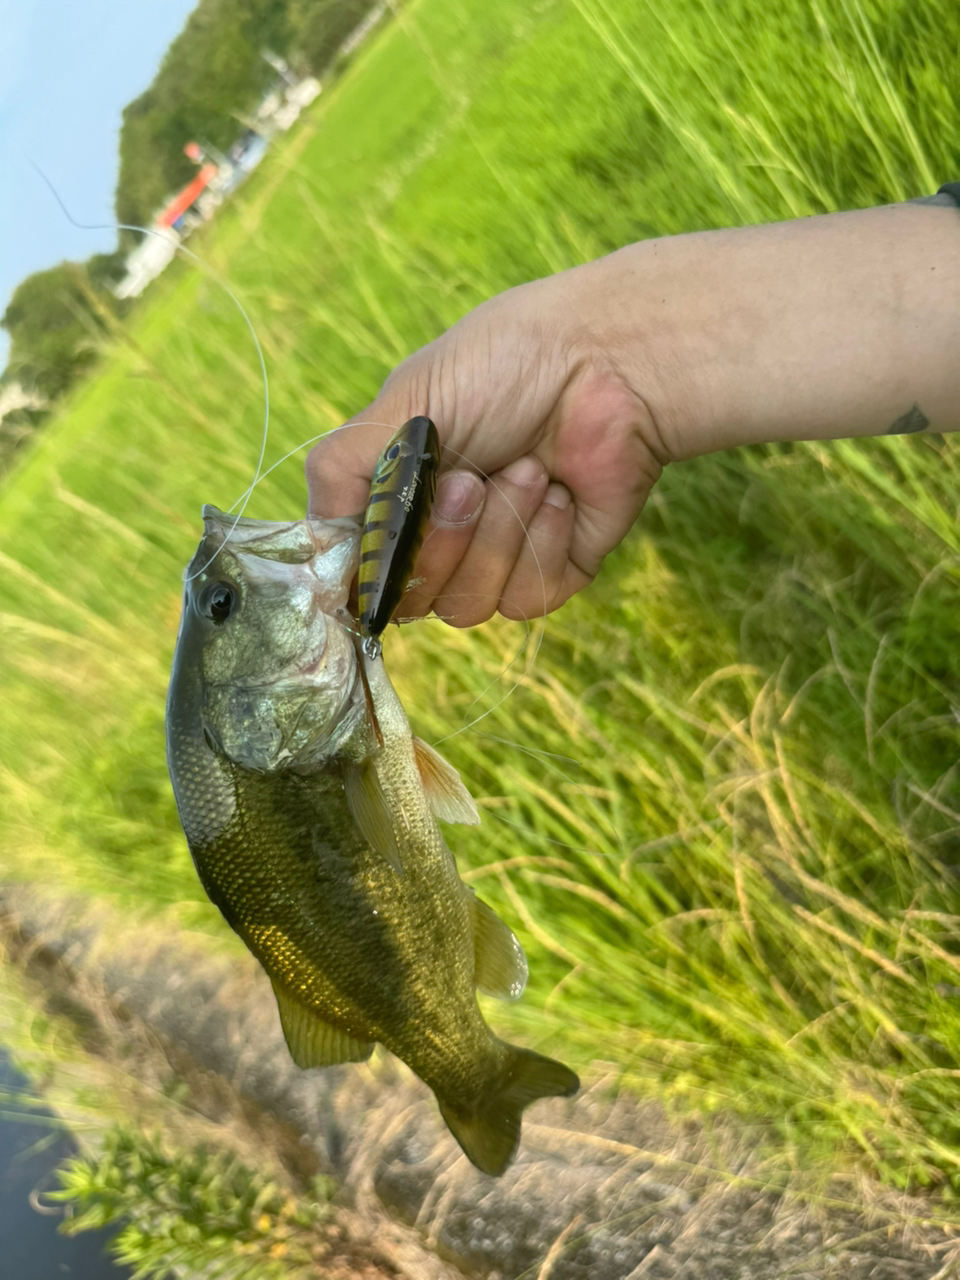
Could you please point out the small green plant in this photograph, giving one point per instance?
(196, 1213)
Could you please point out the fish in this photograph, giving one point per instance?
(310, 810)
(402, 491)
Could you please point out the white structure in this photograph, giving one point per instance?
(199, 200)
(304, 91)
(360, 32)
(13, 397)
(154, 254)
(297, 97)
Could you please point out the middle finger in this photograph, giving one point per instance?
(472, 592)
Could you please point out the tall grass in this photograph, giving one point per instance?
(722, 803)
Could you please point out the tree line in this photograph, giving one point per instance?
(211, 77)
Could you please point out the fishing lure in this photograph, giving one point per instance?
(402, 491)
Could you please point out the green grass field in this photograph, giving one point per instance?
(721, 800)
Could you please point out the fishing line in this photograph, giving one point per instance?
(540, 753)
(370, 422)
(209, 271)
(261, 474)
(535, 835)
(526, 640)
(273, 466)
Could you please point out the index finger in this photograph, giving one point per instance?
(340, 466)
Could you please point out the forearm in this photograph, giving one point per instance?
(569, 394)
(841, 325)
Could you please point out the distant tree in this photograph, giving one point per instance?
(212, 70)
(321, 26)
(106, 269)
(56, 322)
(16, 428)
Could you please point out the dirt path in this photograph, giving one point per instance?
(604, 1188)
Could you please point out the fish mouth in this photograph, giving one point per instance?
(295, 674)
(307, 673)
(290, 541)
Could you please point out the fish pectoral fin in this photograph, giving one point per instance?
(370, 812)
(500, 967)
(313, 1042)
(449, 799)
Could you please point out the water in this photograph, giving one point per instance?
(32, 1144)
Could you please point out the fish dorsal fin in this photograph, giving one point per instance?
(448, 798)
(370, 811)
(500, 967)
(313, 1042)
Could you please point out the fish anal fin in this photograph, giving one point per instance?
(313, 1042)
(489, 1131)
(500, 965)
(448, 797)
(370, 812)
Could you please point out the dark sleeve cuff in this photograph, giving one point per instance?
(951, 189)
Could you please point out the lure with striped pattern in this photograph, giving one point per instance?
(401, 495)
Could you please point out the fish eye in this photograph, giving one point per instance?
(216, 601)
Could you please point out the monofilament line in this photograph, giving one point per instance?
(209, 271)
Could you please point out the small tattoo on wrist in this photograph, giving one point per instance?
(909, 423)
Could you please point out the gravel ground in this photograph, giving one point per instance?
(604, 1187)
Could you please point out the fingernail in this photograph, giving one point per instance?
(558, 495)
(459, 497)
(524, 472)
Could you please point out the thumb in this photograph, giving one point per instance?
(340, 466)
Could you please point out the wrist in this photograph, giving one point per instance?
(631, 317)
(815, 329)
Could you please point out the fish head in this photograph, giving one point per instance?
(267, 636)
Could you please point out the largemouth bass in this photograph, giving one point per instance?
(310, 811)
(402, 491)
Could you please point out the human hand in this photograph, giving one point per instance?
(570, 394)
(548, 455)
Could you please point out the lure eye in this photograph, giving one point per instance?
(216, 602)
(389, 459)
(399, 449)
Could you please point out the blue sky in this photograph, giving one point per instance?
(67, 70)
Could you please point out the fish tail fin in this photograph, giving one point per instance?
(490, 1131)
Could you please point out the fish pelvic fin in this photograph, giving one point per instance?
(490, 1131)
(448, 797)
(370, 810)
(500, 965)
(313, 1042)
